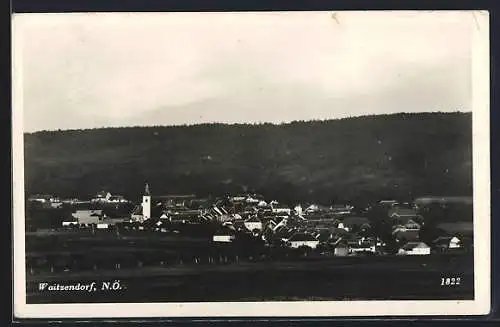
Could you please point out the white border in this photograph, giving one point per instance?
(481, 175)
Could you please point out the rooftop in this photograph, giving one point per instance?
(302, 237)
(413, 245)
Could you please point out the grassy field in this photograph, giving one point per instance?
(354, 278)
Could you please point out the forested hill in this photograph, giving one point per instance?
(362, 158)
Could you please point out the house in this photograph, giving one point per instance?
(253, 224)
(252, 200)
(341, 225)
(88, 216)
(362, 248)
(249, 210)
(40, 198)
(174, 201)
(387, 203)
(342, 209)
(341, 250)
(101, 197)
(117, 199)
(184, 216)
(298, 240)
(323, 235)
(338, 233)
(262, 204)
(314, 208)
(285, 233)
(280, 209)
(238, 198)
(46, 200)
(102, 226)
(70, 222)
(407, 223)
(406, 235)
(239, 225)
(224, 235)
(356, 223)
(398, 212)
(415, 248)
(359, 244)
(298, 210)
(282, 223)
(444, 243)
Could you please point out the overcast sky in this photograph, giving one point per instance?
(99, 70)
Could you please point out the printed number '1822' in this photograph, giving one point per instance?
(450, 281)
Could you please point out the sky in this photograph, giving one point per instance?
(96, 70)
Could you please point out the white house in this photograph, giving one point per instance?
(342, 226)
(117, 199)
(280, 209)
(252, 200)
(253, 224)
(301, 239)
(44, 198)
(101, 197)
(454, 243)
(223, 237)
(69, 222)
(444, 243)
(312, 208)
(262, 203)
(415, 248)
(102, 226)
(298, 210)
(88, 216)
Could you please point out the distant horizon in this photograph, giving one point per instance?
(253, 123)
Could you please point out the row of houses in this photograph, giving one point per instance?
(313, 226)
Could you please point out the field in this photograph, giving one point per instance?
(171, 275)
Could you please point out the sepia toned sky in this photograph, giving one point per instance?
(98, 70)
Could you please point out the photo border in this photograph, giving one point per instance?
(481, 194)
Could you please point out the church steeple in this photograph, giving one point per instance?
(146, 203)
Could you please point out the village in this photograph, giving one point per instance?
(384, 228)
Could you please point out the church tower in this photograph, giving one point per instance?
(146, 203)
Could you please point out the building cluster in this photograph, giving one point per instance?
(337, 230)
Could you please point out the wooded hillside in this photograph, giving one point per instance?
(357, 159)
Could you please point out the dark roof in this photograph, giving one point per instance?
(412, 245)
(117, 197)
(408, 219)
(339, 231)
(410, 235)
(225, 231)
(302, 237)
(323, 235)
(443, 240)
(402, 212)
(457, 227)
(174, 197)
(355, 221)
(280, 206)
(253, 220)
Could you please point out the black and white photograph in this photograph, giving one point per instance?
(211, 164)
